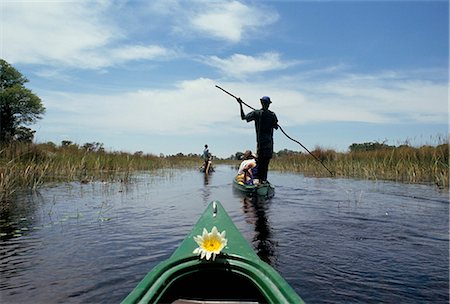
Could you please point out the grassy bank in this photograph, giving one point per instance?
(426, 164)
(27, 166)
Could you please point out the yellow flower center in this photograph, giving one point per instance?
(211, 244)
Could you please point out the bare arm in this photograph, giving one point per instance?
(241, 108)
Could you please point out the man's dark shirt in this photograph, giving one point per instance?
(265, 122)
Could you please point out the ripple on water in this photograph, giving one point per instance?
(334, 240)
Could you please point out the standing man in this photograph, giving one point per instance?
(205, 154)
(206, 158)
(265, 122)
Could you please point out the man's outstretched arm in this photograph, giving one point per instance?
(241, 108)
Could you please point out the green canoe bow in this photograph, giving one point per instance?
(266, 189)
(236, 274)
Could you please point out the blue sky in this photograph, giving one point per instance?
(141, 75)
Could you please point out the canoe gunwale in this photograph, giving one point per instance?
(269, 283)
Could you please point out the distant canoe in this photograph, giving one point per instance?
(208, 169)
(237, 275)
(266, 189)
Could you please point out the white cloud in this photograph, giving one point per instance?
(240, 66)
(191, 107)
(136, 52)
(67, 33)
(222, 20)
(377, 98)
(92, 35)
(197, 107)
(229, 20)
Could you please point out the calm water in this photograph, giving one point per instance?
(334, 240)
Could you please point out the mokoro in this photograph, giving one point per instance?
(236, 275)
(266, 189)
(208, 169)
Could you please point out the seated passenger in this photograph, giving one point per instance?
(247, 169)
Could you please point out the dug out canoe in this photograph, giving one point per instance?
(237, 275)
(266, 189)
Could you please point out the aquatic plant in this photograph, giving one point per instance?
(27, 166)
(210, 244)
(424, 164)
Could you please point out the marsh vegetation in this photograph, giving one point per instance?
(425, 164)
(27, 166)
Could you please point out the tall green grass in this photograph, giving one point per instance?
(425, 164)
(27, 166)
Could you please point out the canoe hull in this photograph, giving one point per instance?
(267, 189)
(237, 274)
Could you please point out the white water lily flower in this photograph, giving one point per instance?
(210, 243)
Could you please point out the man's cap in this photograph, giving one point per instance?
(266, 99)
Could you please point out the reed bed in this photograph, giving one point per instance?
(28, 166)
(426, 164)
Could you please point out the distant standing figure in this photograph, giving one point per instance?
(265, 122)
(205, 154)
(206, 158)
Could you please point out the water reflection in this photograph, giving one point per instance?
(206, 179)
(206, 189)
(255, 210)
(17, 218)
